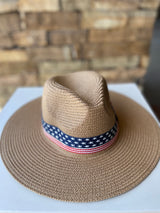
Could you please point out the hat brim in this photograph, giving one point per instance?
(43, 167)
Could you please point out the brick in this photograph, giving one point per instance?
(9, 23)
(67, 37)
(76, 51)
(10, 83)
(115, 62)
(75, 5)
(149, 4)
(5, 94)
(8, 68)
(124, 34)
(142, 19)
(13, 80)
(13, 56)
(25, 79)
(30, 38)
(52, 21)
(103, 20)
(144, 61)
(49, 53)
(100, 50)
(48, 69)
(114, 5)
(21, 79)
(5, 41)
(8, 6)
(123, 75)
(29, 78)
(38, 5)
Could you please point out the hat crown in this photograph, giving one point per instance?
(78, 104)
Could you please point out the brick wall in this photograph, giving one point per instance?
(41, 38)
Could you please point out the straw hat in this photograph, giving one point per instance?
(80, 143)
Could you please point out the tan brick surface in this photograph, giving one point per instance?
(115, 5)
(8, 6)
(6, 41)
(49, 53)
(103, 20)
(9, 23)
(115, 62)
(102, 50)
(52, 21)
(41, 38)
(149, 4)
(72, 5)
(123, 75)
(48, 69)
(123, 34)
(38, 5)
(29, 38)
(13, 56)
(67, 37)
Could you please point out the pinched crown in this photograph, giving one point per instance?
(78, 104)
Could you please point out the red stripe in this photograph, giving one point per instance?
(78, 150)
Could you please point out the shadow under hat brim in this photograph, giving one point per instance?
(43, 167)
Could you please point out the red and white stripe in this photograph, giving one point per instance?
(83, 150)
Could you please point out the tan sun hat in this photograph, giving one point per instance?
(79, 143)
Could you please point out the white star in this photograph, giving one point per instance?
(66, 136)
(104, 138)
(101, 136)
(72, 138)
(97, 140)
(79, 139)
(87, 139)
(94, 138)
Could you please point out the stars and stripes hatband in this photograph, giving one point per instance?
(81, 145)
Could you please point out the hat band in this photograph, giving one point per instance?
(80, 145)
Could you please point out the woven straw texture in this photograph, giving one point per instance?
(78, 103)
(47, 169)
